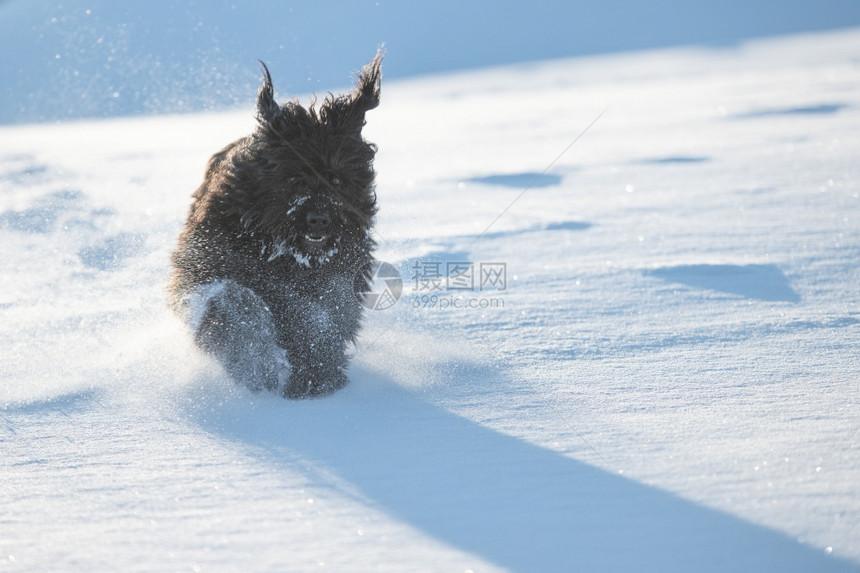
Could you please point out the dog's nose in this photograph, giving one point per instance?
(318, 223)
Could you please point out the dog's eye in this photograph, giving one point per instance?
(335, 181)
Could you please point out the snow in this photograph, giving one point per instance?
(669, 382)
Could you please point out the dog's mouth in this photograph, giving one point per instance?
(315, 244)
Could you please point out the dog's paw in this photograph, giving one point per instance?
(309, 384)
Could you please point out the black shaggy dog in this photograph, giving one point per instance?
(276, 238)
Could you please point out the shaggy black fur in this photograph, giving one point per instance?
(274, 240)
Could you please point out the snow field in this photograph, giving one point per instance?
(671, 383)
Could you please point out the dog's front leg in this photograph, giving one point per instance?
(236, 327)
(315, 336)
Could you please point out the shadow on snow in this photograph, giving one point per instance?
(501, 498)
(527, 180)
(820, 109)
(761, 282)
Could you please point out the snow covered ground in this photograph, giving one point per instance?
(668, 382)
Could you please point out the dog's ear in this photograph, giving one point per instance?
(347, 112)
(267, 109)
(366, 94)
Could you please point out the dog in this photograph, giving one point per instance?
(275, 252)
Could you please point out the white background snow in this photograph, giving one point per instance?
(671, 383)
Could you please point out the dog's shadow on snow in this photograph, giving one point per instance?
(510, 502)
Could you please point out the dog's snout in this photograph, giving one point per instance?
(318, 222)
